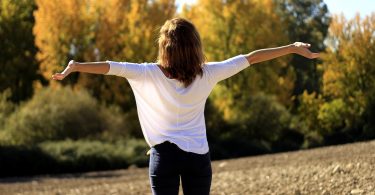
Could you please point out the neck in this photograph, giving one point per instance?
(165, 72)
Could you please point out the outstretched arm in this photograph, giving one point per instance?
(87, 67)
(271, 53)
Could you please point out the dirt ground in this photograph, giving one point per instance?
(344, 169)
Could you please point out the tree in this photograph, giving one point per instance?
(229, 28)
(247, 106)
(19, 68)
(133, 35)
(349, 71)
(123, 30)
(344, 110)
(305, 21)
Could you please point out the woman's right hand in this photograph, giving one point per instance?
(302, 49)
(70, 68)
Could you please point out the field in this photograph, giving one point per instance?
(344, 169)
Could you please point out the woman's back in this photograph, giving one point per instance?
(169, 111)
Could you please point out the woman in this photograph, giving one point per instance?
(170, 97)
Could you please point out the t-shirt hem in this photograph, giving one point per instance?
(202, 151)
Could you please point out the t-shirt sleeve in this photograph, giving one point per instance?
(219, 71)
(128, 70)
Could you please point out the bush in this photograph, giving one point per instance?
(289, 139)
(249, 126)
(313, 139)
(22, 160)
(260, 118)
(332, 116)
(368, 117)
(307, 120)
(71, 156)
(82, 155)
(58, 114)
(6, 107)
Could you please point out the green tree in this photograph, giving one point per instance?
(305, 21)
(19, 68)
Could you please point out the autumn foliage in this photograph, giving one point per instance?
(284, 104)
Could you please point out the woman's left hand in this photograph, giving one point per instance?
(69, 68)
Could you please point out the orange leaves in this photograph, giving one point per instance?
(57, 24)
(87, 30)
(96, 30)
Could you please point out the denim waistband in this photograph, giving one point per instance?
(167, 145)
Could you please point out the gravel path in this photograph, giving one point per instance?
(344, 169)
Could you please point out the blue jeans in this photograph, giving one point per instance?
(168, 163)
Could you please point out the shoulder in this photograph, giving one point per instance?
(151, 66)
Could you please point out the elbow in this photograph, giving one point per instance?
(252, 59)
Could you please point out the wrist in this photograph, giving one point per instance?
(74, 66)
(292, 48)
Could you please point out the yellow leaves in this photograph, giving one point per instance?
(87, 30)
(229, 28)
(95, 30)
(57, 23)
(223, 101)
(8, 9)
(281, 80)
(348, 71)
(309, 109)
(329, 80)
(347, 63)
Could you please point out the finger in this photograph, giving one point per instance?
(305, 45)
(315, 55)
(311, 55)
(58, 76)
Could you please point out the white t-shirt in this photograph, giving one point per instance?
(167, 110)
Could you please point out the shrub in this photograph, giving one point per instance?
(22, 160)
(260, 118)
(84, 155)
(308, 110)
(289, 139)
(6, 107)
(247, 127)
(58, 114)
(369, 127)
(312, 139)
(332, 116)
(368, 117)
(71, 156)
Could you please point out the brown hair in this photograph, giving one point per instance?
(180, 50)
